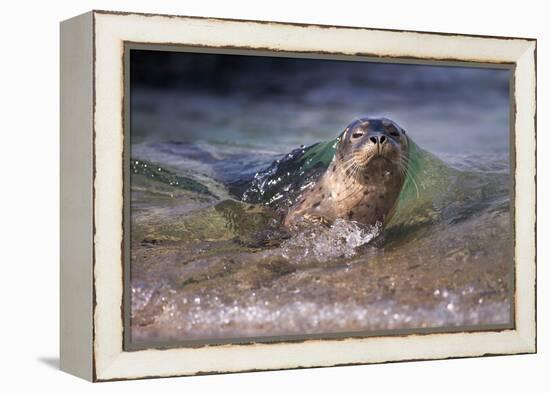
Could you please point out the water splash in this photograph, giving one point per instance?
(163, 175)
(281, 183)
(322, 244)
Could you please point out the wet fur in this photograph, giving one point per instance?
(364, 179)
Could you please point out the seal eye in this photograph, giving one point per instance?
(357, 135)
(394, 133)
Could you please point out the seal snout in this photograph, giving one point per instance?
(378, 141)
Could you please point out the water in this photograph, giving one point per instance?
(204, 265)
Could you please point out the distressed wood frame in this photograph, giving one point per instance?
(92, 189)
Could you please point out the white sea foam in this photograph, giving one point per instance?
(321, 244)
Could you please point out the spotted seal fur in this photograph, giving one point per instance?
(364, 179)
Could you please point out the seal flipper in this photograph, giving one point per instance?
(318, 219)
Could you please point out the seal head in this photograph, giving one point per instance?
(363, 181)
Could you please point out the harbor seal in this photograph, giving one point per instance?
(364, 179)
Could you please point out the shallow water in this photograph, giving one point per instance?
(204, 265)
(199, 271)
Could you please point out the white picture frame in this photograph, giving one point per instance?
(92, 192)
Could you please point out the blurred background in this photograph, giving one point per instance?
(281, 103)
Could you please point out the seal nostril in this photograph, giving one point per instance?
(373, 139)
(382, 139)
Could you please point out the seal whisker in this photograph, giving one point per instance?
(353, 171)
(408, 173)
(349, 165)
(348, 168)
(415, 186)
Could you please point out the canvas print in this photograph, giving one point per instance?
(276, 198)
